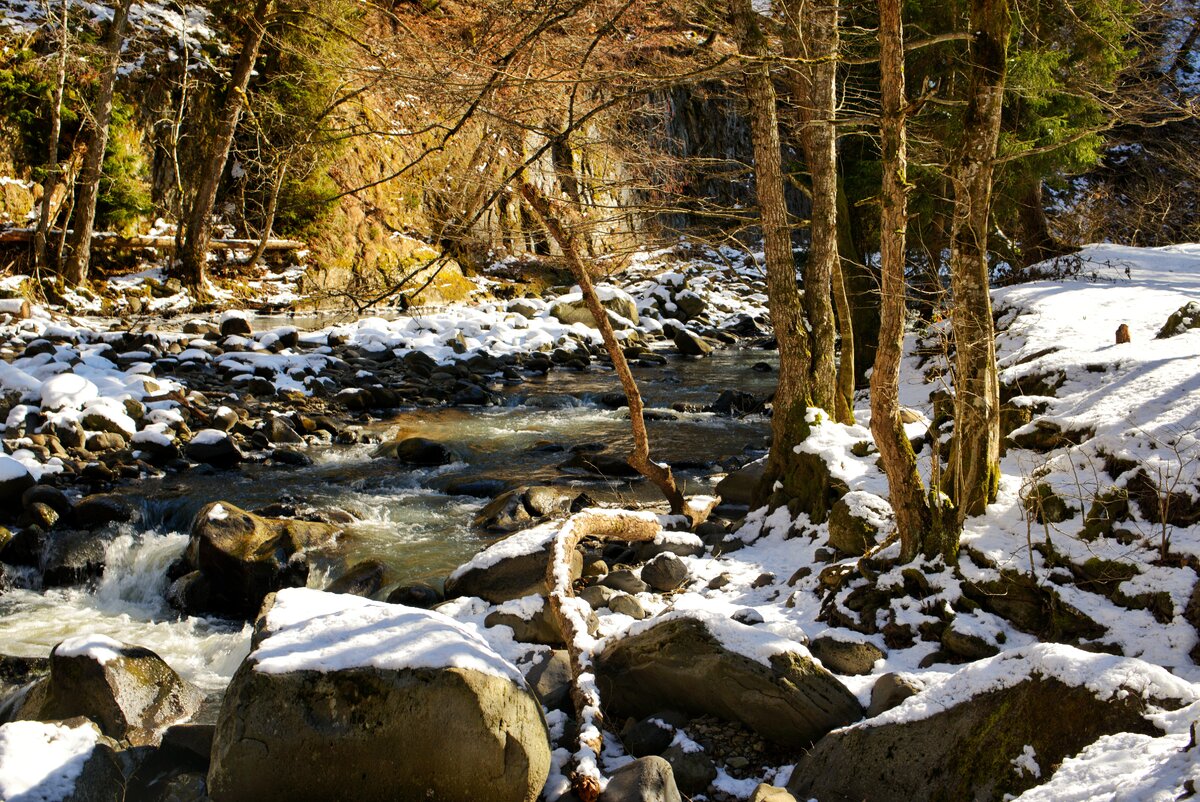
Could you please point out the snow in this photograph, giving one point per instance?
(208, 437)
(94, 646)
(11, 469)
(309, 630)
(528, 541)
(40, 762)
(67, 390)
(1026, 763)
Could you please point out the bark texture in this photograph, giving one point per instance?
(193, 256)
(53, 166)
(975, 457)
(75, 270)
(906, 491)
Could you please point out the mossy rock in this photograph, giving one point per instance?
(1046, 506)
(1106, 510)
(1183, 319)
(1032, 607)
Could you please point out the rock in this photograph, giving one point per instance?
(127, 690)
(518, 568)
(72, 557)
(529, 626)
(1046, 506)
(409, 725)
(598, 597)
(550, 679)
(846, 657)
(362, 579)
(665, 573)
(1122, 336)
(418, 595)
(243, 556)
(278, 430)
(213, 447)
(1182, 319)
(738, 487)
(648, 779)
(45, 750)
(92, 512)
(15, 479)
(290, 456)
(625, 581)
(693, 770)
(521, 506)
(650, 736)
(50, 496)
(855, 521)
(736, 403)
(572, 309)
(417, 451)
(233, 325)
(891, 690)
(690, 344)
(770, 793)
(964, 746)
(969, 645)
(625, 604)
(105, 441)
(1044, 436)
(679, 662)
(599, 465)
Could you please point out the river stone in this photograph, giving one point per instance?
(679, 662)
(598, 596)
(573, 309)
(550, 679)
(505, 513)
(625, 604)
(625, 581)
(665, 573)
(213, 447)
(72, 557)
(95, 511)
(361, 579)
(690, 344)
(129, 691)
(738, 487)
(693, 770)
(236, 325)
(647, 779)
(891, 690)
(41, 744)
(418, 451)
(15, 479)
(846, 657)
(345, 698)
(279, 430)
(517, 570)
(417, 595)
(243, 556)
(855, 521)
(964, 748)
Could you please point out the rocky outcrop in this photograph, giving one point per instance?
(401, 703)
(127, 690)
(968, 737)
(687, 662)
(513, 568)
(236, 558)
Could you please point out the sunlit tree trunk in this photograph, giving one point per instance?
(53, 165)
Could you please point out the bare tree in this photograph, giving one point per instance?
(54, 168)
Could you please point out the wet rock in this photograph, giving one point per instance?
(689, 344)
(100, 778)
(127, 690)
(290, 456)
(50, 496)
(665, 573)
(72, 557)
(418, 451)
(362, 579)
(648, 779)
(213, 447)
(392, 731)
(736, 403)
(598, 465)
(419, 595)
(279, 430)
(846, 657)
(243, 557)
(93, 512)
(680, 663)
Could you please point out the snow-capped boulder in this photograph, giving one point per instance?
(240, 557)
(510, 569)
(64, 761)
(705, 663)
(214, 447)
(405, 703)
(15, 479)
(995, 727)
(571, 308)
(129, 691)
(856, 521)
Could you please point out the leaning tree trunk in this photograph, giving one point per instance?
(76, 268)
(974, 473)
(193, 256)
(639, 458)
(784, 478)
(811, 42)
(906, 491)
(53, 165)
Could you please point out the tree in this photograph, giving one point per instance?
(75, 270)
(193, 257)
(53, 165)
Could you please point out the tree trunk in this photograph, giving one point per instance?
(862, 290)
(193, 256)
(75, 270)
(1037, 242)
(639, 458)
(905, 489)
(53, 165)
(811, 42)
(272, 207)
(974, 472)
(784, 477)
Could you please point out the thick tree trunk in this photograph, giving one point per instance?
(639, 458)
(193, 256)
(1038, 243)
(784, 478)
(53, 166)
(811, 41)
(76, 268)
(974, 472)
(906, 491)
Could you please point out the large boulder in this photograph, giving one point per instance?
(214, 447)
(127, 690)
(240, 557)
(63, 761)
(738, 487)
(856, 521)
(346, 698)
(510, 569)
(966, 737)
(704, 663)
(571, 308)
(418, 451)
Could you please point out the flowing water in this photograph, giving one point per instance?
(406, 519)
